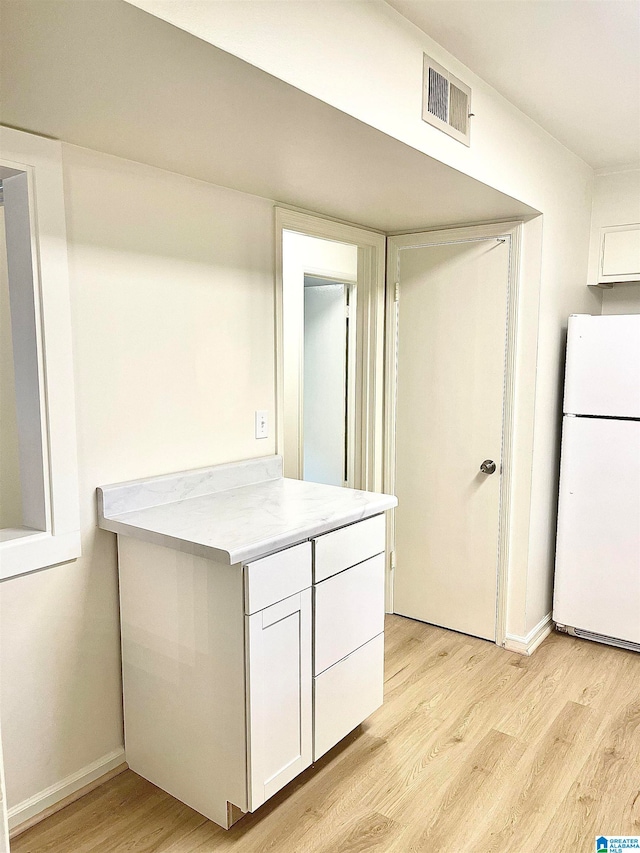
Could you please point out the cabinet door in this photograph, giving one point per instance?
(620, 253)
(279, 688)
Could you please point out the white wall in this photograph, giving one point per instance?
(10, 492)
(172, 306)
(616, 201)
(366, 59)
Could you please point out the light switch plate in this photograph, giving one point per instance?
(262, 423)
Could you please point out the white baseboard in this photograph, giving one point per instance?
(31, 810)
(527, 645)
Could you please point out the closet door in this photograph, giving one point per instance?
(279, 688)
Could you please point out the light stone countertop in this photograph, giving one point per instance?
(232, 513)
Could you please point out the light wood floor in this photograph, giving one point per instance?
(476, 750)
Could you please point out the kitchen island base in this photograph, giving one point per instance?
(236, 677)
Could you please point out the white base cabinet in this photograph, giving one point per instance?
(183, 665)
(237, 677)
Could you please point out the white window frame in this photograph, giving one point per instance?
(46, 393)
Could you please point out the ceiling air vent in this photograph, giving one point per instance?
(446, 101)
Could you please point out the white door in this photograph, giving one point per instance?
(597, 583)
(452, 316)
(279, 689)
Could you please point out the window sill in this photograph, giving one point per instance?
(23, 550)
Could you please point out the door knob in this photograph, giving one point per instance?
(488, 466)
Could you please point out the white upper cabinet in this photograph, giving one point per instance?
(619, 254)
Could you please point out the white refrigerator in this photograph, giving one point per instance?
(597, 580)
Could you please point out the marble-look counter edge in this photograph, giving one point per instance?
(253, 550)
(155, 538)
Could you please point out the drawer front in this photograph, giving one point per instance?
(347, 546)
(349, 611)
(346, 694)
(276, 577)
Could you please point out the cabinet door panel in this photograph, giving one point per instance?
(279, 690)
(621, 252)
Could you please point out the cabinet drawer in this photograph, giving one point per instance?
(347, 546)
(276, 577)
(349, 611)
(346, 694)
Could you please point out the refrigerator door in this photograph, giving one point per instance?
(603, 366)
(597, 583)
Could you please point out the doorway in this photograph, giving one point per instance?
(330, 350)
(451, 315)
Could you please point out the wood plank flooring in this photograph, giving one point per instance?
(476, 750)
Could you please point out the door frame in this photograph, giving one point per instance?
(367, 440)
(510, 232)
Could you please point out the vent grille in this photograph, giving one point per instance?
(458, 109)
(609, 641)
(438, 97)
(446, 101)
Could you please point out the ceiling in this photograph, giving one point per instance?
(573, 66)
(110, 77)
